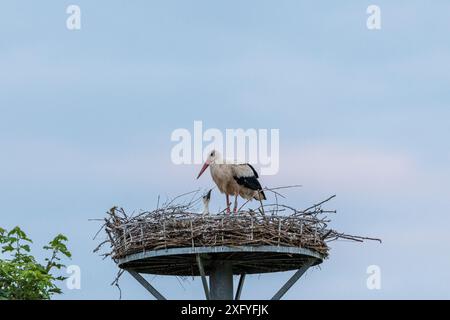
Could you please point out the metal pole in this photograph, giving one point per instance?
(292, 280)
(239, 288)
(221, 280)
(146, 285)
(202, 274)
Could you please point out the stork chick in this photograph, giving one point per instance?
(206, 198)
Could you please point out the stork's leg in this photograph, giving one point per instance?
(235, 203)
(228, 203)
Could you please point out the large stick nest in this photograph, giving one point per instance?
(176, 224)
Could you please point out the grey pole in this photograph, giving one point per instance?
(202, 274)
(221, 281)
(292, 280)
(146, 285)
(239, 288)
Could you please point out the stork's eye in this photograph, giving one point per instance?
(212, 154)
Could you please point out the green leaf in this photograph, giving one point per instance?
(21, 276)
(7, 248)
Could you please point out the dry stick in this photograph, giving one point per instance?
(164, 231)
(261, 207)
(181, 195)
(351, 237)
(272, 190)
(284, 187)
(276, 200)
(320, 203)
(244, 205)
(116, 282)
(96, 234)
(192, 234)
(222, 228)
(279, 231)
(142, 237)
(252, 227)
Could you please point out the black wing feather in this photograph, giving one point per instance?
(249, 182)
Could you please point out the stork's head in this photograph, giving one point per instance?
(207, 197)
(213, 156)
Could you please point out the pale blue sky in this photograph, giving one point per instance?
(86, 118)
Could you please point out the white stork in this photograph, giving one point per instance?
(233, 179)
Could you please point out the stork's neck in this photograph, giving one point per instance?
(206, 207)
(216, 165)
(218, 161)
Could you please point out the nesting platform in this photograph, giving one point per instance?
(220, 264)
(173, 240)
(244, 260)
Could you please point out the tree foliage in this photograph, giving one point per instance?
(21, 276)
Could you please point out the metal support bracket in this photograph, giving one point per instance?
(292, 280)
(239, 288)
(202, 274)
(146, 285)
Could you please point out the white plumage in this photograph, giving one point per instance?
(233, 179)
(206, 198)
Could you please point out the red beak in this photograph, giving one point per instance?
(203, 169)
